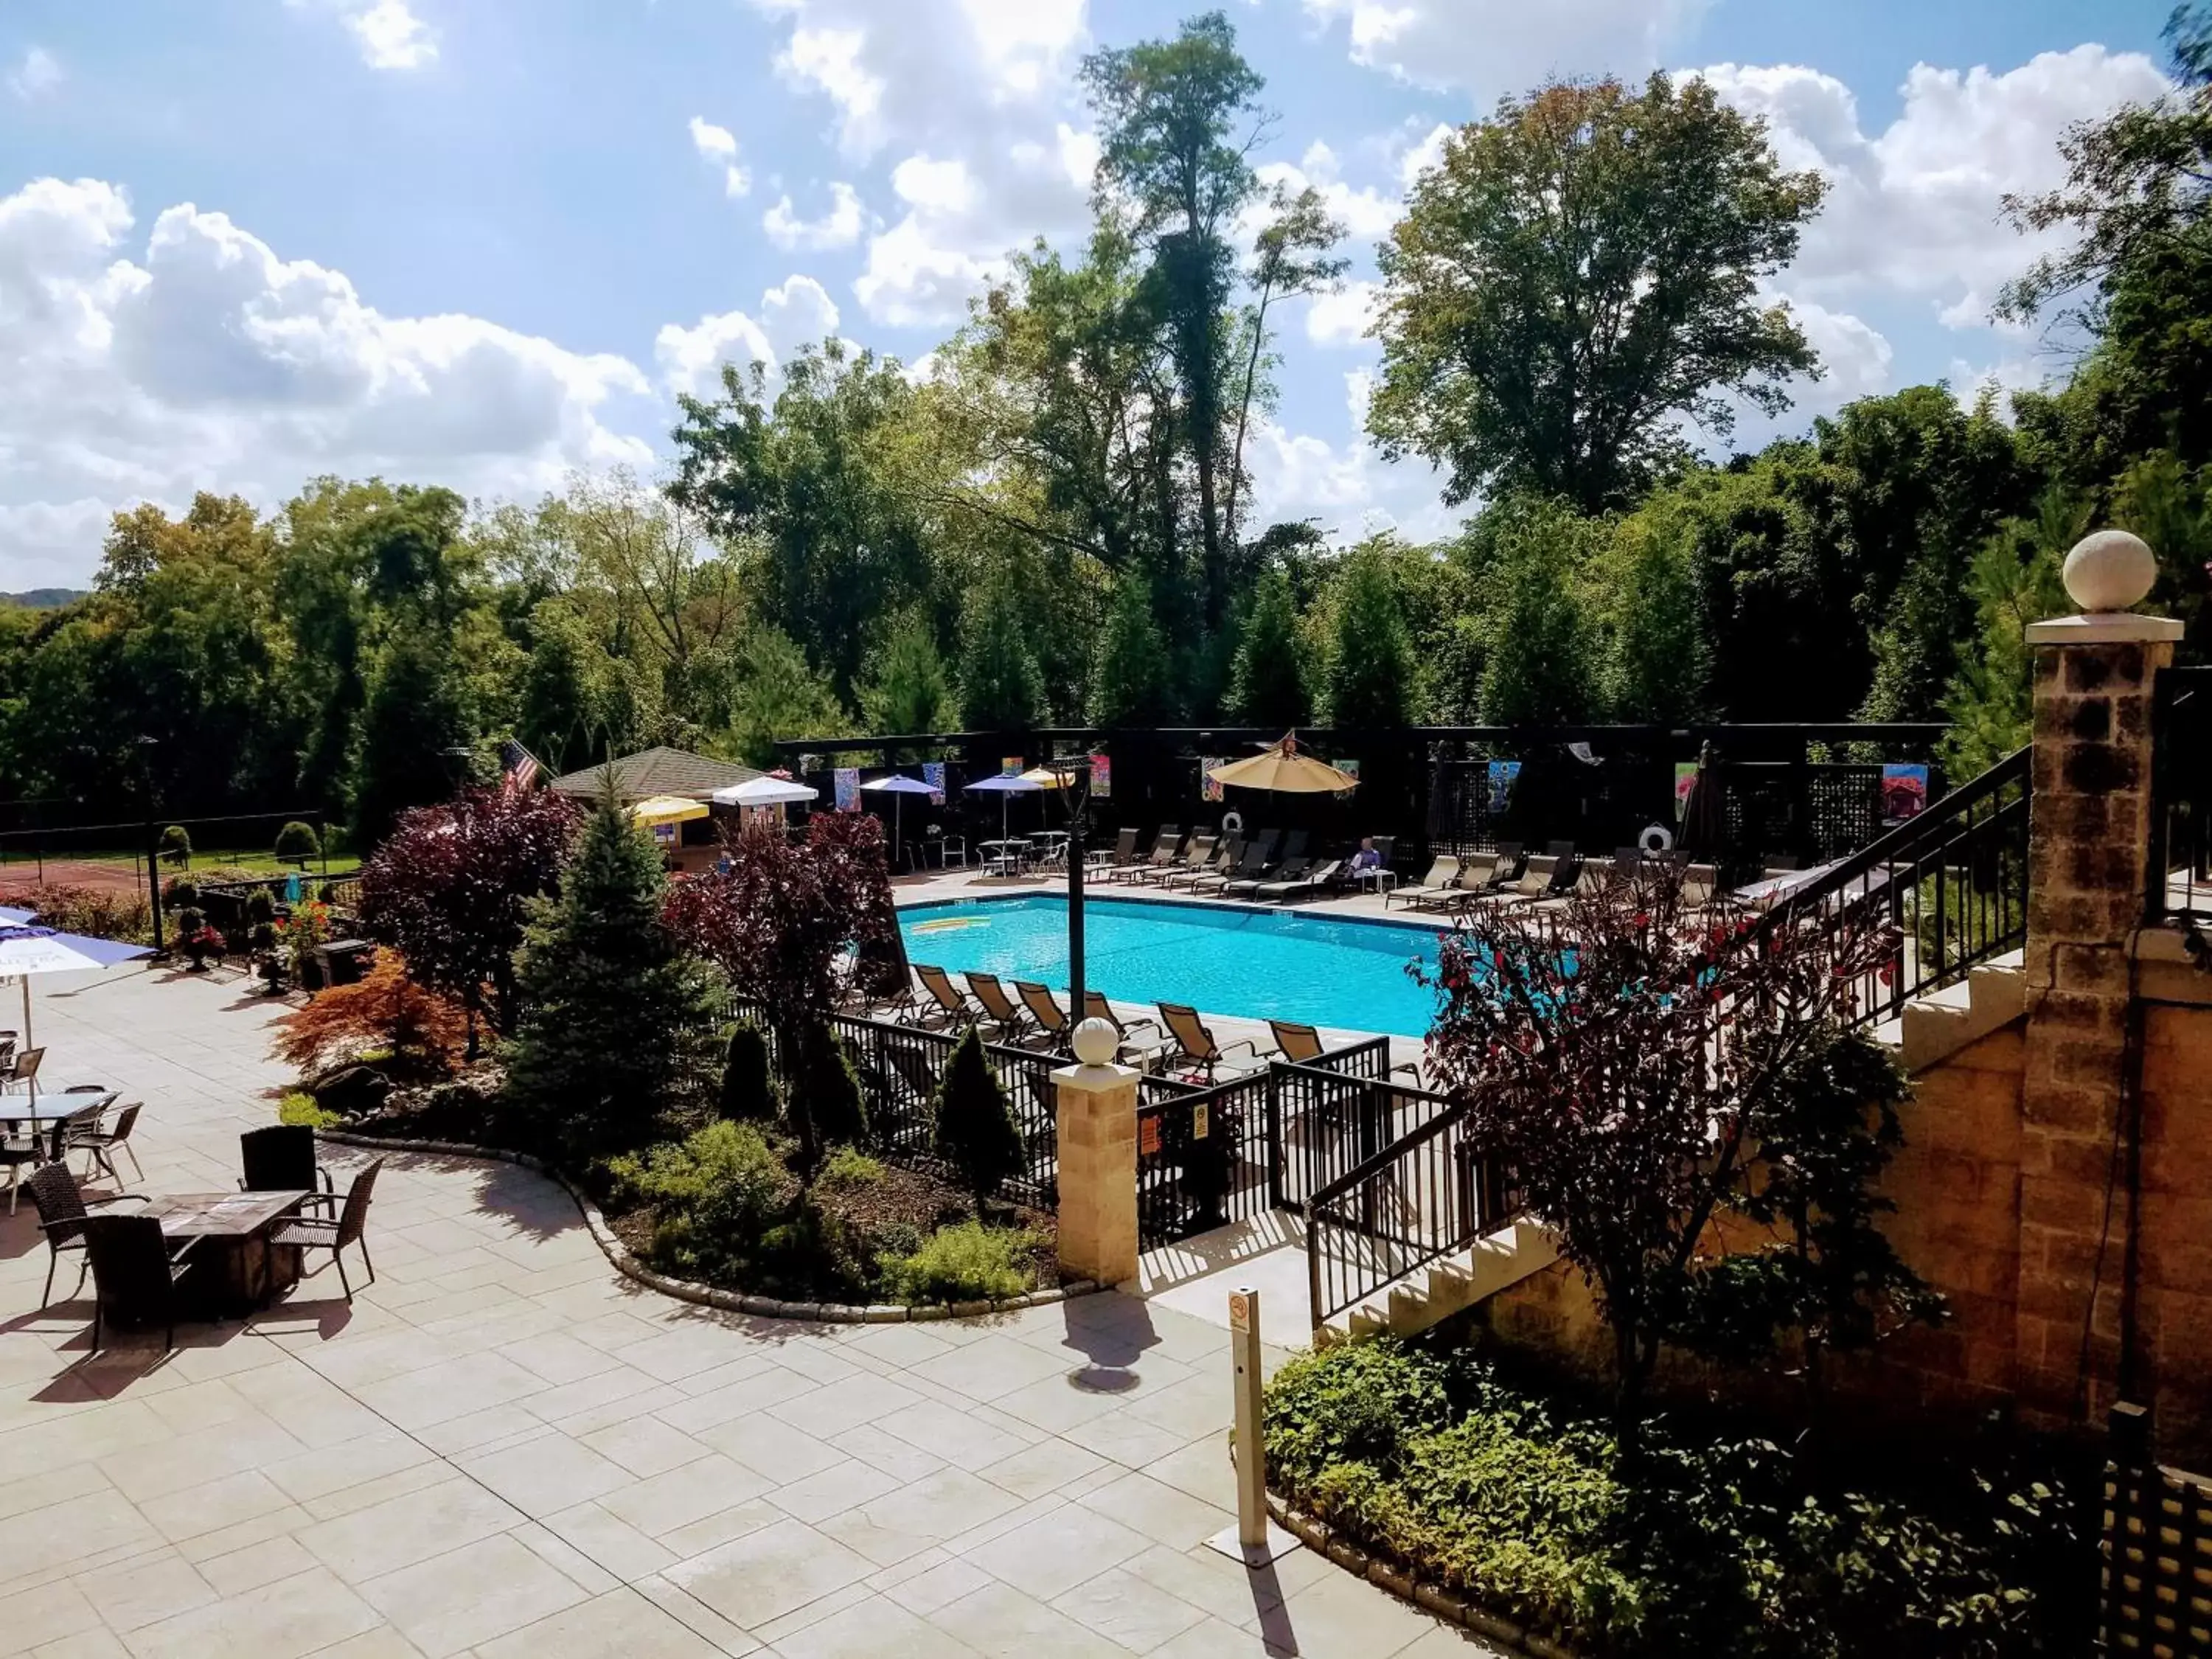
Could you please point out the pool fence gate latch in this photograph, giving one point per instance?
(1254, 1540)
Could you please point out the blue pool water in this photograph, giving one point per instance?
(1274, 964)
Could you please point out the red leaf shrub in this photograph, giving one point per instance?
(385, 1010)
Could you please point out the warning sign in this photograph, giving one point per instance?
(1148, 1136)
(1198, 1121)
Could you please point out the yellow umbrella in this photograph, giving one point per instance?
(1279, 766)
(667, 809)
(1045, 778)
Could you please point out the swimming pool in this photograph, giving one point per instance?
(1321, 970)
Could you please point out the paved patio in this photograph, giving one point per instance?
(503, 1448)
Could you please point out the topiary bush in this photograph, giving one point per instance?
(748, 1092)
(975, 1129)
(835, 1106)
(967, 1262)
(176, 847)
(297, 842)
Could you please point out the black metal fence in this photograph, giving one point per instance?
(2181, 824)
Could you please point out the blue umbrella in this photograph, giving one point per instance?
(27, 949)
(1002, 787)
(899, 784)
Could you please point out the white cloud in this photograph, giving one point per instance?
(1494, 47)
(1365, 214)
(798, 312)
(389, 34)
(719, 146)
(1346, 489)
(1343, 317)
(39, 73)
(975, 100)
(207, 361)
(839, 227)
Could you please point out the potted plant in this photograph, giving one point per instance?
(305, 928)
(199, 944)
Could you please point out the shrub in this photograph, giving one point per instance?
(385, 1010)
(716, 1196)
(747, 1088)
(176, 847)
(833, 1103)
(97, 912)
(260, 907)
(847, 1169)
(975, 1132)
(300, 1111)
(969, 1262)
(297, 842)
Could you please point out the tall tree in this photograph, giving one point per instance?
(909, 690)
(1541, 664)
(1178, 121)
(1268, 685)
(1371, 666)
(1581, 273)
(1131, 684)
(1000, 687)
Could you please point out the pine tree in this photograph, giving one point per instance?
(910, 691)
(1268, 686)
(1000, 688)
(975, 1129)
(1130, 684)
(610, 1007)
(1371, 671)
(412, 719)
(748, 1083)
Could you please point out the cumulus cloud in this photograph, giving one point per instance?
(797, 312)
(975, 171)
(719, 146)
(208, 361)
(1494, 47)
(1346, 489)
(1343, 317)
(1365, 214)
(840, 226)
(38, 74)
(389, 35)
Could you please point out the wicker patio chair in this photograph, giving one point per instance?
(134, 1273)
(63, 1213)
(350, 1227)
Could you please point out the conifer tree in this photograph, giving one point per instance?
(1268, 686)
(975, 1129)
(1000, 688)
(1130, 685)
(1370, 672)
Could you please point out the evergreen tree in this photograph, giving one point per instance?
(2014, 581)
(1130, 684)
(1659, 660)
(413, 718)
(1371, 671)
(1268, 686)
(1540, 666)
(837, 1112)
(610, 1007)
(748, 1083)
(909, 691)
(1000, 688)
(976, 1130)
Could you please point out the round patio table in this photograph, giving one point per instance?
(1011, 853)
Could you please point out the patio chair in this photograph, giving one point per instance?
(1165, 846)
(1196, 1044)
(999, 1008)
(1440, 885)
(24, 1069)
(1123, 855)
(281, 1159)
(1318, 880)
(103, 1144)
(1300, 1045)
(81, 1125)
(912, 1063)
(350, 1227)
(1289, 865)
(1052, 1020)
(952, 1007)
(1700, 885)
(881, 977)
(1207, 856)
(62, 1211)
(134, 1273)
(19, 1152)
(1537, 880)
(1259, 853)
(1147, 1054)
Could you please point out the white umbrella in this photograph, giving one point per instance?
(898, 786)
(1003, 787)
(25, 949)
(764, 791)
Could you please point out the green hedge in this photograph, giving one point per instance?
(1717, 1548)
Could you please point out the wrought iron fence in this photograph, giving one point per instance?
(2181, 823)
(1426, 1194)
(1332, 1118)
(1953, 881)
(1205, 1156)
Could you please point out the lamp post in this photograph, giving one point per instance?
(1075, 791)
(145, 746)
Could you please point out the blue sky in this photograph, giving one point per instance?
(483, 241)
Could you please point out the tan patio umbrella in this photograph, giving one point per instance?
(1280, 767)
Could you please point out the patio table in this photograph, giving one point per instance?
(52, 1105)
(234, 1269)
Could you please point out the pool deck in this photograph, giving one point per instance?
(947, 886)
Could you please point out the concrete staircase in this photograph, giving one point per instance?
(1442, 1289)
(1934, 1027)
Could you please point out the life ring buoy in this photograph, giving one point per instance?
(1231, 822)
(1658, 838)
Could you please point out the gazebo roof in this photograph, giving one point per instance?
(657, 771)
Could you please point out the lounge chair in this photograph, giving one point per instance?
(999, 1008)
(1291, 865)
(1165, 846)
(1258, 855)
(1701, 882)
(1593, 879)
(952, 1008)
(1123, 855)
(1547, 876)
(1201, 855)
(911, 1062)
(1198, 1045)
(1440, 885)
(1146, 1055)
(1300, 1045)
(1318, 880)
(1052, 1020)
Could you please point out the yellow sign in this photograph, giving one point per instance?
(1198, 1124)
(1240, 1311)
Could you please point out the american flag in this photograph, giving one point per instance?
(518, 767)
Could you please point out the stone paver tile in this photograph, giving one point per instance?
(619, 1624)
(775, 1450)
(1340, 1615)
(199, 1405)
(44, 1614)
(810, 1349)
(192, 1460)
(416, 1477)
(1046, 1467)
(697, 1537)
(833, 1491)
(565, 1558)
(1000, 1622)
(456, 1599)
(280, 1620)
(696, 1616)
(1449, 1642)
(1225, 1589)
(768, 1573)
(684, 1351)
(1053, 1551)
(440, 1393)
(934, 1579)
(615, 1545)
(618, 1383)
(754, 1393)
(401, 1531)
(85, 1644)
(311, 1408)
(969, 1439)
(1056, 1405)
(914, 1519)
(1158, 1510)
(254, 1564)
(382, 1642)
(219, 1503)
(546, 1473)
(990, 1367)
(1126, 1439)
(311, 1474)
(861, 1398)
(1193, 1406)
(147, 1590)
(1122, 1608)
(62, 1535)
(645, 1446)
(899, 1345)
(902, 1459)
(1202, 1468)
(1210, 1638)
(691, 1493)
(556, 1357)
(870, 1629)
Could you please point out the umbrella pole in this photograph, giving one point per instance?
(27, 1043)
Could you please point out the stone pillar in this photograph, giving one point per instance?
(2089, 876)
(1097, 1121)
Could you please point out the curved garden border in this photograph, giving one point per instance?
(709, 1296)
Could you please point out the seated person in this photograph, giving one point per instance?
(1366, 861)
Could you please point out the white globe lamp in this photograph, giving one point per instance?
(2108, 571)
(1096, 1042)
